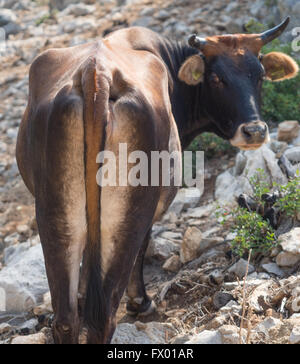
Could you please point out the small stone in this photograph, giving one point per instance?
(259, 296)
(163, 15)
(199, 212)
(278, 147)
(171, 235)
(24, 279)
(216, 322)
(295, 335)
(143, 333)
(147, 12)
(185, 198)
(273, 269)
(35, 339)
(296, 304)
(275, 251)
(231, 7)
(231, 334)
(267, 325)
(23, 229)
(173, 264)
(288, 130)
(232, 307)
(7, 16)
(290, 242)
(161, 249)
(206, 337)
(5, 328)
(61, 4)
(240, 268)
(295, 316)
(28, 327)
(80, 9)
(145, 21)
(221, 299)
(216, 277)
(2, 300)
(191, 245)
(180, 339)
(286, 259)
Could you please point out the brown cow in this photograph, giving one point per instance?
(138, 88)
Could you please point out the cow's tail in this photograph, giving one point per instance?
(96, 94)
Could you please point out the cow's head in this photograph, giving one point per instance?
(231, 70)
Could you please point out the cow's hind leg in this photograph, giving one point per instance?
(61, 215)
(139, 303)
(122, 235)
(126, 211)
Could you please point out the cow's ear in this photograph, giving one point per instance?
(279, 66)
(192, 70)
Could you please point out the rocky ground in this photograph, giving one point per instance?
(196, 281)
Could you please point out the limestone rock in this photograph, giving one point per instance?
(232, 308)
(2, 300)
(273, 269)
(79, 9)
(295, 335)
(35, 339)
(240, 268)
(259, 295)
(296, 304)
(161, 248)
(7, 16)
(221, 299)
(290, 241)
(45, 307)
(140, 333)
(173, 264)
(190, 247)
(231, 334)
(235, 181)
(5, 328)
(185, 198)
(24, 280)
(293, 155)
(206, 338)
(62, 4)
(286, 259)
(288, 130)
(266, 325)
(199, 212)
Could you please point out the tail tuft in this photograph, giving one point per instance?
(95, 310)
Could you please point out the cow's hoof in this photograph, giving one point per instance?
(144, 309)
(149, 311)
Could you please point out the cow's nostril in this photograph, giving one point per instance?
(246, 133)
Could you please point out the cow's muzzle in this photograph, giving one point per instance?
(251, 136)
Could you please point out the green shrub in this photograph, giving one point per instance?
(250, 229)
(289, 202)
(259, 185)
(212, 145)
(43, 19)
(252, 232)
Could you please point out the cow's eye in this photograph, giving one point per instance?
(214, 78)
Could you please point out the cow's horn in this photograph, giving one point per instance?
(197, 42)
(275, 32)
